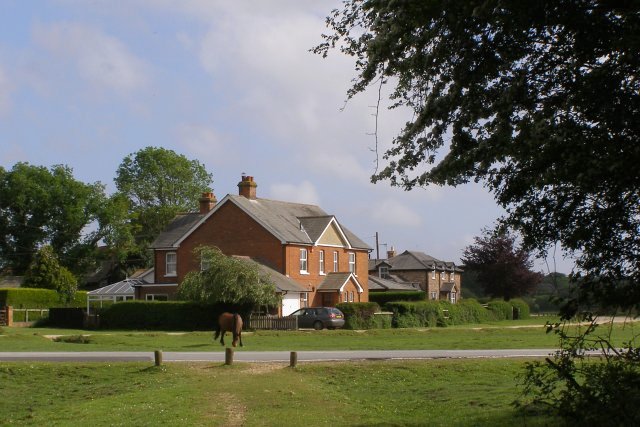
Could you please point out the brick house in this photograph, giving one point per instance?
(441, 280)
(313, 259)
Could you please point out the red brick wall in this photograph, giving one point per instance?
(236, 233)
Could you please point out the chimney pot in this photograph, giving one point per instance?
(391, 253)
(247, 187)
(207, 202)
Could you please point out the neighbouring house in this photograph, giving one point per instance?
(313, 259)
(441, 280)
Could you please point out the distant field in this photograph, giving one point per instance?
(392, 393)
(500, 335)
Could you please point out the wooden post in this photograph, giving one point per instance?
(228, 356)
(293, 359)
(158, 357)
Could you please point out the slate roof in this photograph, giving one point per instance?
(335, 282)
(293, 222)
(379, 284)
(282, 282)
(289, 222)
(176, 229)
(415, 260)
(447, 287)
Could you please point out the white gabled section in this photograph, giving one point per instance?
(333, 225)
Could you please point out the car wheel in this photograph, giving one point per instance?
(318, 325)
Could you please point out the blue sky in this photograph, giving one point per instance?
(230, 83)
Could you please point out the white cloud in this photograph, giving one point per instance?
(102, 60)
(392, 213)
(305, 192)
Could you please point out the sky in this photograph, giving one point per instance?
(231, 84)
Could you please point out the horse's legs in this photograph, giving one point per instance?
(222, 337)
(240, 337)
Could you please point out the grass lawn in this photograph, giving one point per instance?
(391, 393)
(501, 335)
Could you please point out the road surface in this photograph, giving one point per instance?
(268, 356)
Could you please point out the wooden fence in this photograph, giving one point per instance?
(272, 322)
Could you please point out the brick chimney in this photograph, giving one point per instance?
(207, 202)
(391, 253)
(247, 187)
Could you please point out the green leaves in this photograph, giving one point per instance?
(227, 280)
(45, 272)
(46, 206)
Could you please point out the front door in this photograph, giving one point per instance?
(327, 299)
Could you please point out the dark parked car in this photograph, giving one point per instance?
(319, 317)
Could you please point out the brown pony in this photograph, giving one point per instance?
(228, 322)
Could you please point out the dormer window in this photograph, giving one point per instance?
(383, 272)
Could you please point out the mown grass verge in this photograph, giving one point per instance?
(391, 393)
(493, 336)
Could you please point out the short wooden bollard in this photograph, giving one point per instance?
(228, 356)
(293, 359)
(158, 357)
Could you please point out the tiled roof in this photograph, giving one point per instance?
(176, 229)
(282, 282)
(335, 282)
(415, 260)
(379, 284)
(293, 222)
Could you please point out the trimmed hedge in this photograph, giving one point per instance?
(384, 297)
(502, 310)
(416, 314)
(361, 315)
(465, 312)
(164, 315)
(38, 298)
(520, 309)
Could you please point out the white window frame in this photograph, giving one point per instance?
(453, 276)
(304, 258)
(336, 264)
(433, 275)
(304, 299)
(171, 266)
(351, 296)
(352, 263)
(383, 272)
(154, 297)
(321, 262)
(434, 295)
(443, 275)
(452, 297)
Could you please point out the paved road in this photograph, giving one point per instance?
(268, 356)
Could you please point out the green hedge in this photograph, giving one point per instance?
(361, 315)
(502, 310)
(466, 311)
(521, 308)
(443, 313)
(38, 298)
(164, 315)
(416, 314)
(384, 297)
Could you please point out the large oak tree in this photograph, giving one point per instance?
(539, 101)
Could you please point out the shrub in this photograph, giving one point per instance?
(38, 298)
(416, 314)
(384, 297)
(164, 315)
(65, 317)
(521, 308)
(466, 311)
(502, 310)
(359, 315)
